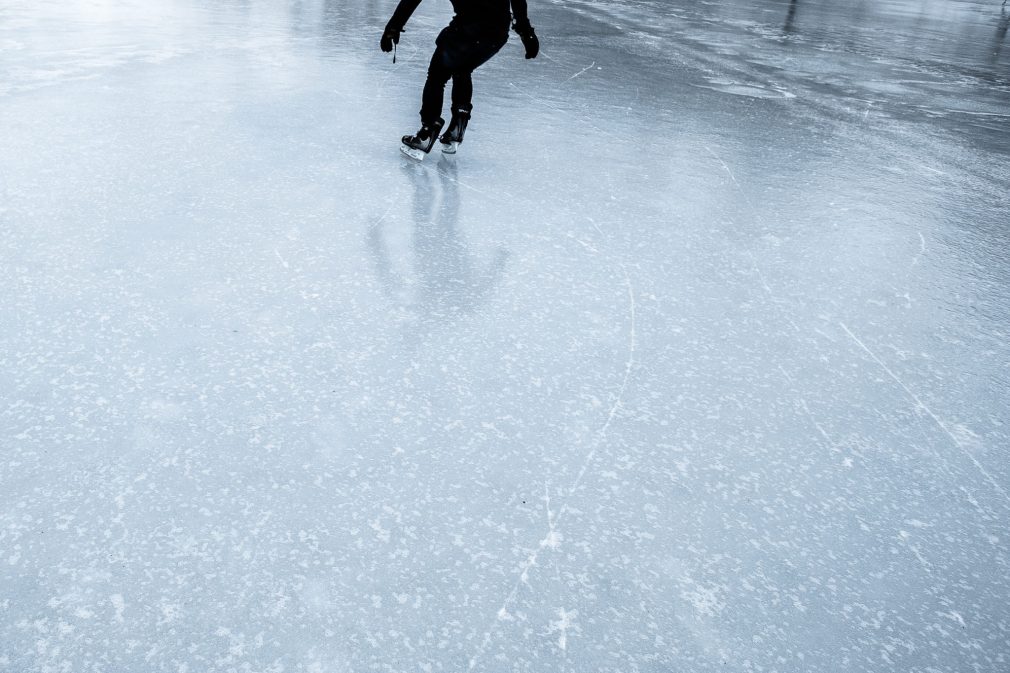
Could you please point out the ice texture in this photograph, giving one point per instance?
(695, 358)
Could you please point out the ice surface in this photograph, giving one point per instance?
(695, 358)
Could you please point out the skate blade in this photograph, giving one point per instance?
(415, 154)
(449, 148)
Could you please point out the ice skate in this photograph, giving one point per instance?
(417, 146)
(453, 135)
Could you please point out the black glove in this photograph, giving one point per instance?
(390, 36)
(528, 36)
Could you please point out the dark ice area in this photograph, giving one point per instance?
(695, 358)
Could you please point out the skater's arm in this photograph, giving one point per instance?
(519, 16)
(403, 12)
(391, 35)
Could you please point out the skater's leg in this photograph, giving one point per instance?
(462, 90)
(439, 71)
(475, 55)
(456, 56)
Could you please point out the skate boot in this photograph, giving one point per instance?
(453, 135)
(419, 144)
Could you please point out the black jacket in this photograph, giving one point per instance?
(490, 16)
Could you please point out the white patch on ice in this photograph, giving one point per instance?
(561, 626)
(552, 541)
(705, 599)
(119, 605)
(382, 533)
(170, 612)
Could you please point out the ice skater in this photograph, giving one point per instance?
(478, 30)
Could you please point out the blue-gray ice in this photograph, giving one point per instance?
(696, 358)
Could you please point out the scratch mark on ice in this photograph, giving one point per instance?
(382, 218)
(553, 539)
(581, 71)
(922, 248)
(906, 537)
(283, 261)
(922, 405)
(757, 268)
(557, 109)
(820, 429)
(629, 363)
(719, 159)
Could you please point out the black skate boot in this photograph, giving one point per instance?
(453, 135)
(419, 144)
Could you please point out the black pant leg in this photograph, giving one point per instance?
(477, 54)
(457, 54)
(462, 90)
(439, 71)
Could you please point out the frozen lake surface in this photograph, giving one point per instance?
(695, 358)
